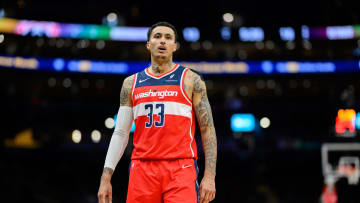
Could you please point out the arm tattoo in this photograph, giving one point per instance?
(206, 123)
(125, 94)
(107, 172)
(187, 83)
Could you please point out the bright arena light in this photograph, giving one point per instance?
(228, 17)
(111, 17)
(109, 123)
(265, 122)
(2, 13)
(76, 136)
(2, 37)
(225, 33)
(96, 136)
(242, 122)
(191, 34)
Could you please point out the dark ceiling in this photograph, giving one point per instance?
(207, 16)
(195, 13)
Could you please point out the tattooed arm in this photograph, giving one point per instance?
(208, 136)
(125, 94)
(118, 141)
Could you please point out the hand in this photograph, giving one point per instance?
(207, 189)
(105, 192)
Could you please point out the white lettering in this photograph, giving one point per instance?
(160, 94)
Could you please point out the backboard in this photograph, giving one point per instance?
(340, 160)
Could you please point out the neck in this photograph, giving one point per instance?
(159, 67)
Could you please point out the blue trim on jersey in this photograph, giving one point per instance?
(173, 78)
(196, 181)
(129, 167)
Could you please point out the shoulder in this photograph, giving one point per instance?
(194, 81)
(130, 78)
(125, 94)
(196, 78)
(193, 75)
(128, 81)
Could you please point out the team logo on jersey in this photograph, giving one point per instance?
(160, 94)
(141, 81)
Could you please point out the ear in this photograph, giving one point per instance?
(148, 45)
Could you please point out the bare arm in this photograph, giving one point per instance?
(206, 124)
(196, 90)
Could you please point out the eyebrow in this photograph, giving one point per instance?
(162, 34)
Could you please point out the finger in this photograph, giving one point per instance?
(207, 196)
(202, 193)
(212, 196)
(101, 198)
(110, 198)
(202, 200)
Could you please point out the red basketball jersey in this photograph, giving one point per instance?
(164, 116)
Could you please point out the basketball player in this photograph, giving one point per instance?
(163, 100)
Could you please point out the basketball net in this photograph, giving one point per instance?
(350, 172)
(329, 194)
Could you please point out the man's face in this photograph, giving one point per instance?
(162, 42)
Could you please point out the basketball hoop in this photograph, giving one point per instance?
(350, 172)
(339, 160)
(349, 168)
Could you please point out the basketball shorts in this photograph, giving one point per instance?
(163, 181)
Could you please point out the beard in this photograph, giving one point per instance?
(161, 57)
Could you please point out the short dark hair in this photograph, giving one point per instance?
(165, 24)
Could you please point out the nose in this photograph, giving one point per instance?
(162, 41)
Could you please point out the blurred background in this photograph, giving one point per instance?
(282, 80)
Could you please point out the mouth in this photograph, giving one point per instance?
(162, 49)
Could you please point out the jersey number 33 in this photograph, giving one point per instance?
(150, 115)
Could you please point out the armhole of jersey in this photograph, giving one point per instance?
(133, 88)
(182, 86)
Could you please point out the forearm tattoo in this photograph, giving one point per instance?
(107, 172)
(125, 94)
(206, 123)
